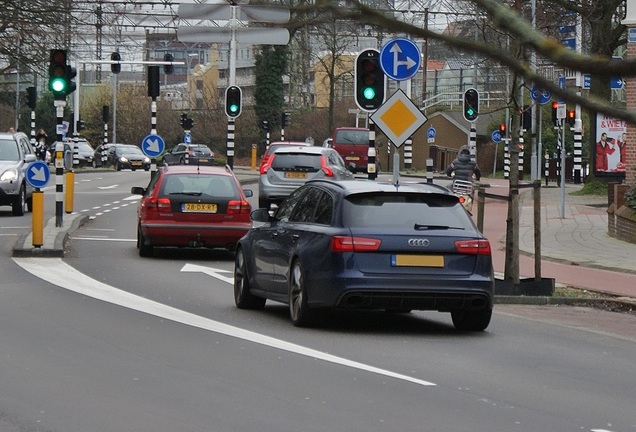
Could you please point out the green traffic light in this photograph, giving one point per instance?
(234, 108)
(58, 85)
(369, 93)
(470, 111)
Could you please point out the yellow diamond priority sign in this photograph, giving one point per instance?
(398, 118)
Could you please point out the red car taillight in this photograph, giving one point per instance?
(354, 244)
(238, 207)
(473, 247)
(265, 164)
(158, 204)
(328, 171)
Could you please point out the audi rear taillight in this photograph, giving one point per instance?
(158, 204)
(238, 207)
(354, 244)
(323, 166)
(473, 247)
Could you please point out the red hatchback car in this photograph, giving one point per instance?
(192, 206)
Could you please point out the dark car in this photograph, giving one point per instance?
(192, 206)
(291, 166)
(84, 157)
(16, 154)
(367, 245)
(192, 154)
(127, 156)
(100, 155)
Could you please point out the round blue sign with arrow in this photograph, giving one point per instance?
(496, 136)
(38, 174)
(400, 59)
(153, 146)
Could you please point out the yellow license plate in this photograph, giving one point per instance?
(298, 175)
(198, 208)
(203, 160)
(417, 261)
(136, 163)
(352, 158)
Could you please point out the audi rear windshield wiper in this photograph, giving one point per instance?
(435, 227)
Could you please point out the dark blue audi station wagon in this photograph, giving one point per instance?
(357, 244)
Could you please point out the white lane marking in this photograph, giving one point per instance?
(194, 268)
(57, 272)
(107, 187)
(105, 239)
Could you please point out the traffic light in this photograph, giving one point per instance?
(233, 101)
(571, 117)
(471, 104)
(80, 125)
(115, 67)
(265, 125)
(184, 117)
(555, 119)
(60, 74)
(188, 124)
(31, 97)
(502, 129)
(168, 69)
(369, 80)
(284, 119)
(526, 118)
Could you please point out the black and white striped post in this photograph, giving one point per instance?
(546, 167)
(578, 148)
(521, 147)
(59, 164)
(371, 165)
(408, 153)
(230, 141)
(506, 160)
(429, 170)
(472, 141)
(34, 144)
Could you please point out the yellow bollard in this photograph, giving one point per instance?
(37, 219)
(70, 190)
(253, 157)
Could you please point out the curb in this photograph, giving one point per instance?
(24, 245)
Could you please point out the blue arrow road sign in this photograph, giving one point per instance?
(431, 132)
(153, 146)
(616, 83)
(187, 138)
(400, 59)
(38, 174)
(496, 136)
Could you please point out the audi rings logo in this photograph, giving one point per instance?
(419, 242)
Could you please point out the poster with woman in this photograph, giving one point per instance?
(610, 144)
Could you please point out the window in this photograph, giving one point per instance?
(286, 208)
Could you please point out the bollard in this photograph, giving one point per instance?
(37, 219)
(481, 205)
(70, 189)
(253, 161)
(429, 170)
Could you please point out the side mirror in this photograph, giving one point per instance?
(260, 215)
(248, 193)
(137, 190)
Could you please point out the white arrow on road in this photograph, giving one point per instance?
(107, 187)
(38, 174)
(210, 271)
(409, 62)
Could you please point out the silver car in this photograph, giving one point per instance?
(290, 167)
(16, 154)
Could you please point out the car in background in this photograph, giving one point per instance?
(289, 167)
(127, 156)
(360, 245)
(85, 153)
(270, 149)
(16, 154)
(193, 154)
(192, 206)
(100, 155)
(353, 145)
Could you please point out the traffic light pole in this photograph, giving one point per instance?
(59, 164)
(371, 166)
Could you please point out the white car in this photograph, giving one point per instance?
(16, 154)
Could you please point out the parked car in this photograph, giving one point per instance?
(192, 206)
(275, 146)
(292, 166)
(356, 244)
(193, 154)
(16, 154)
(127, 156)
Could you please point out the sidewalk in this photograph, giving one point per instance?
(575, 250)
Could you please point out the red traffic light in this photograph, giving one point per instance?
(502, 128)
(571, 117)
